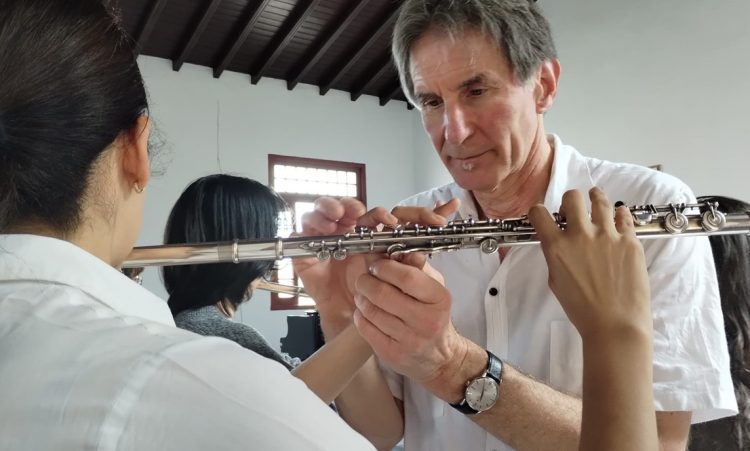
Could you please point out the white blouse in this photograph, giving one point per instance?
(91, 360)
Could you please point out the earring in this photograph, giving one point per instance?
(138, 188)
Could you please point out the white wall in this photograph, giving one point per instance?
(652, 82)
(194, 111)
(649, 82)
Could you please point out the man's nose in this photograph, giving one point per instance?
(457, 125)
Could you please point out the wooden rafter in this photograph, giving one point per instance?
(325, 42)
(357, 51)
(194, 35)
(282, 38)
(376, 71)
(148, 25)
(240, 38)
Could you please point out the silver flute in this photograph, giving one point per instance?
(651, 221)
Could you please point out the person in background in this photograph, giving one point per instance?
(732, 259)
(204, 298)
(88, 358)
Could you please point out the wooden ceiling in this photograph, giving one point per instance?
(332, 44)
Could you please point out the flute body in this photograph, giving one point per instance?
(651, 222)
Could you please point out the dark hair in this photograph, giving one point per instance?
(69, 85)
(517, 26)
(732, 260)
(219, 208)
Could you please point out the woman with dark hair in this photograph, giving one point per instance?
(88, 358)
(204, 298)
(732, 259)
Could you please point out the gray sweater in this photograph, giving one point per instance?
(210, 322)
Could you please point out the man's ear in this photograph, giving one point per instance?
(135, 161)
(546, 85)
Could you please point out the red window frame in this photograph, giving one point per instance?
(292, 303)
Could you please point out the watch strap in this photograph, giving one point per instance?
(494, 367)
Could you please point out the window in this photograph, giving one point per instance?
(300, 181)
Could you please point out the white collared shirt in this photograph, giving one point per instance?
(91, 360)
(524, 324)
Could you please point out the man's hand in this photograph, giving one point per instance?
(404, 312)
(331, 282)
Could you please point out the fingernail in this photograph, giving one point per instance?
(371, 269)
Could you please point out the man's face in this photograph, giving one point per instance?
(481, 120)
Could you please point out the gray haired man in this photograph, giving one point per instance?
(491, 361)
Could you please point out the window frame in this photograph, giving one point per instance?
(292, 303)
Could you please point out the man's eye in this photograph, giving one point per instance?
(433, 103)
(477, 92)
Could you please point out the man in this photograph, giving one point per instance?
(483, 73)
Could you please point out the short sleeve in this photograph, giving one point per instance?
(691, 361)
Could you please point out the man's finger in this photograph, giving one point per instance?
(353, 210)
(418, 215)
(316, 223)
(409, 280)
(377, 216)
(449, 208)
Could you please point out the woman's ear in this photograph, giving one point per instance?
(135, 161)
(546, 85)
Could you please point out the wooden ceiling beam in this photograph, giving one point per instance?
(324, 43)
(393, 89)
(282, 38)
(148, 25)
(374, 72)
(194, 35)
(240, 38)
(356, 52)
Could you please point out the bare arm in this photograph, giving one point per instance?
(345, 371)
(332, 367)
(365, 402)
(370, 409)
(528, 415)
(673, 429)
(597, 271)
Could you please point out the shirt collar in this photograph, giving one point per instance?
(569, 171)
(43, 259)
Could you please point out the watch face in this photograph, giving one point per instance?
(481, 393)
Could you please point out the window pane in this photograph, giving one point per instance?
(279, 171)
(351, 178)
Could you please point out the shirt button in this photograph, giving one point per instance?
(493, 291)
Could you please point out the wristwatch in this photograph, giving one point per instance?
(481, 393)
